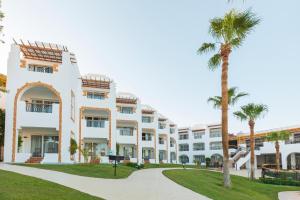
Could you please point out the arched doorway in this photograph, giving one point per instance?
(293, 161)
(37, 98)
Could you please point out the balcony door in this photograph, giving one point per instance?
(36, 145)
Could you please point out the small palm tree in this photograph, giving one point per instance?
(251, 112)
(229, 33)
(233, 98)
(276, 137)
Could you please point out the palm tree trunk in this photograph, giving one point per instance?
(277, 156)
(252, 144)
(225, 51)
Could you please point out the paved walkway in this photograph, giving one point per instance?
(289, 195)
(147, 184)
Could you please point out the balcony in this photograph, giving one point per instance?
(95, 131)
(162, 145)
(101, 103)
(126, 139)
(38, 115)
(147, 143)
(127, 116)
(149, 125)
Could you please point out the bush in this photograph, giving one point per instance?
(134, 165)
(278, 181)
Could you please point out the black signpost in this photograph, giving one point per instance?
(116, 159)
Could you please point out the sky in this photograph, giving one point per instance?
(149, 49)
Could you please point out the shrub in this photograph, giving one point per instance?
(134, 165)
(278, 181)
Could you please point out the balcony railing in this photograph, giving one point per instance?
(41, 108)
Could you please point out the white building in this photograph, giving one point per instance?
(199, 142)
(49, 102)
(205, 141)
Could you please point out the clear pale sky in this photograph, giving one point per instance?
(149, 49)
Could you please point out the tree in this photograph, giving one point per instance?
(85, 153)
(251, 112)
(233, 98)
(276, 137)
(229, 33)
(1, 17)
(73, 147)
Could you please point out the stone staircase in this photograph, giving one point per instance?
(34, 160)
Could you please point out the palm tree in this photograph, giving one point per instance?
(276, 137)
(233, 98)
(229, 33)
(251, 112)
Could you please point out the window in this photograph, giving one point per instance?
(72, 105)
(147, 119)
(199, 158)
(126, 131)
(95, 95)
(183, 147)
(96, 122)
(40, 68)
(297, 137)
(215, 132)
(172, 143)
(44, 106)
(198, 134)
(161, 140)
(172, 130)
(146, 137)
(215, 145)
(199, 146)
(183, 136)
(50, 144)
(126, 110)
(161, 125)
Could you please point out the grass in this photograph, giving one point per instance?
(166, 165)
(90, 170)
(14, 186)
(210, 184)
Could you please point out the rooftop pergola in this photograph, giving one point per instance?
(44, 51)
(126, 98)
(93, 83)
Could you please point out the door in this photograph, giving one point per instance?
(36, 146)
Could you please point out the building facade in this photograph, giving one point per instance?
(49, 104)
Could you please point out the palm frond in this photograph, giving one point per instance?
(214, 62)
(216, 101)
(240, 115)
(254, 111)
(206, 47)
(216, 28)
(244, 23)
(237, 97)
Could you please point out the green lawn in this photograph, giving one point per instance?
(166, 165)
(90, 170)
(210, 184)
(14, 186)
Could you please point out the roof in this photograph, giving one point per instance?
(126, 98)
(146, 109)
(44, 51)
(262, 132)
(95, 81)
